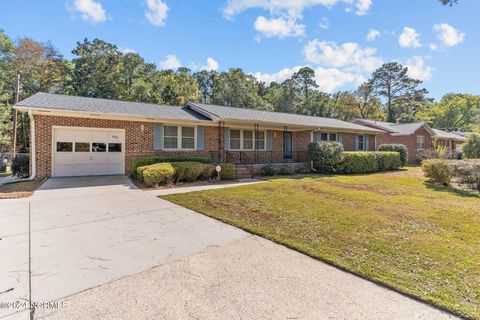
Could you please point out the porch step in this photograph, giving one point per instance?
(243, 172)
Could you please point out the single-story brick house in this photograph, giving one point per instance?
(416, 137)
(79, 136)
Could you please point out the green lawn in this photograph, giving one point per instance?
(394, 228)
(5, 174)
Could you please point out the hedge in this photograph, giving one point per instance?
(358, 162)
(268, 170)
(388, 160)
(192, 171)
(228, 171)
(438, 170)
(146, 161)
(400, 148)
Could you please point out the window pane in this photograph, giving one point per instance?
(235, 144)
(188, 132)
(99, 147)
(260, 135)
(170, 131)
(188, 143)
(170, 143)
(248, 144)
(333, 137)
(248, 135)
(64, 146)
(114, 147)
(260, 144)
(82, 146)
(324, 136)
(234, 134)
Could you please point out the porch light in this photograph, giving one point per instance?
(142, 127)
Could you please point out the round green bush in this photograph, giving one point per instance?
(396, 147)
(438, 170)
(146, 161)
(228, 171)
(326, 156)
(268, 170)
(303, 170)
(156, 174)
(286, 171)
(471, 147)
(187, 171)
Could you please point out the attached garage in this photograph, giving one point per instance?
(87, 151)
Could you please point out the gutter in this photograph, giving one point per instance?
(32, 144)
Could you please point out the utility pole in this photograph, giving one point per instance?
(17, 94)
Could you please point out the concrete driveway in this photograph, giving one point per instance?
(86, 232)
(102, 249)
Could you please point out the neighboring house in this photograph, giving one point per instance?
(78, 136)
(417, 137)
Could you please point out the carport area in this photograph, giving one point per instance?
(88, 231)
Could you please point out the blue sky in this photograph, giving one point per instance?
(272, 38)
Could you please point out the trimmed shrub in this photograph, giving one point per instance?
(146, 161)
(388, 160)
(159, 173)
(286, 171)
(208, 171)
(268, 170)
(400, 148)
(228, 171)
(326, 156)
(471, 147)
(21, 166)
(303, 170)
(358, 162)
(438, 170)
(466, 172)
(187, 171)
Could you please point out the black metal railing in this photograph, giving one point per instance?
(260, 157)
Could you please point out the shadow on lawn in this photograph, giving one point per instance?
(462, 193)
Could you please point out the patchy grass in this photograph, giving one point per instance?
(394, 228)
(21, 189)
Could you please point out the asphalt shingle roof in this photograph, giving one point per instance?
(95, 105)
(448, 135)
(193, 111)
(241, 114)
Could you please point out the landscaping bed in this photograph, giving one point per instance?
(395, 228)
(21, 189)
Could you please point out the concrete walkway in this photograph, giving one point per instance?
(164, 192)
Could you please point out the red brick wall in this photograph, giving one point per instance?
(137, 144)
(301, 140)
(349, 141)
(409, 141)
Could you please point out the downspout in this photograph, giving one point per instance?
(32, 144)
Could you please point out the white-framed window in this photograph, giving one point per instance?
(178, 138)
(241, 139)
(326, 136)
(361, 142)
(420, 142)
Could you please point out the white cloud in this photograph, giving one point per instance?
(212, 64)
(373, 34)
(171, 62)
(284, 14)
(417, 68)
(448, 35)
(156, 12)
(348, 55)
(279, 27)
(328, 79)
(433, 46)
(409, 38)
(363, 6)
(91, 11)
(324, 23)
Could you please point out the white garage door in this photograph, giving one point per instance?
(88, 152)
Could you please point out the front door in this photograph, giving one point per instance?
(287, 146)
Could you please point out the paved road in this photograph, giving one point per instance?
(105, 250)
